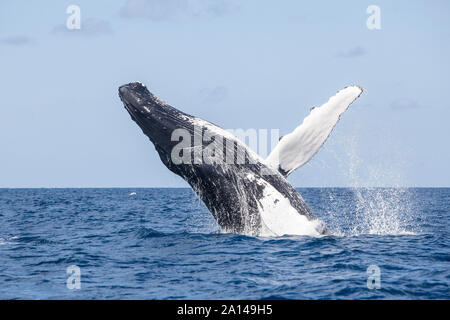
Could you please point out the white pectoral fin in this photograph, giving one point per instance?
(299, 146)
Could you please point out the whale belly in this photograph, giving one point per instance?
(279, 217)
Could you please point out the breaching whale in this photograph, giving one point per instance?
(245, 193)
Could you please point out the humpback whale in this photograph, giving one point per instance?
(245, 193)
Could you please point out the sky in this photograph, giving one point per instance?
(239, 64)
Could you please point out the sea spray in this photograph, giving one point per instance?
(382, 205)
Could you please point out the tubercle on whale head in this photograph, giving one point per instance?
(137, 96)
(155, 117)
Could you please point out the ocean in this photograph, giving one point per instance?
(164, 244)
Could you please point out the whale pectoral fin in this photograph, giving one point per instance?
(299, 146)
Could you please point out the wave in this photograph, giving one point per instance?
(146, 233)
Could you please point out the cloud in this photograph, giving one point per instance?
(219, 8)
(89, 27)
(160, 10)
(405, 104)
(18, 40)
(355, 52)
(214, 95)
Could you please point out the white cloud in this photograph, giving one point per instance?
(19, 40)
(89, 27)
(404, 103)
(159, 10)
(355, 52)
(214, 95)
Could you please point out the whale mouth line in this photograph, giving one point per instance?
(125, 102)
(132, 99)
(129, 106)
(134, 111)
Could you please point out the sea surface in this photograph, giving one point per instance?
(164, 244)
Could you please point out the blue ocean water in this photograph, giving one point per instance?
(164, 244)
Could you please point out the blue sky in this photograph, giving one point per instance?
(239, 64)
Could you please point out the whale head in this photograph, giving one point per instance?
(155, 117)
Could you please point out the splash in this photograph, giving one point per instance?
(382, 211)
(199, 219)
(380, 203)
